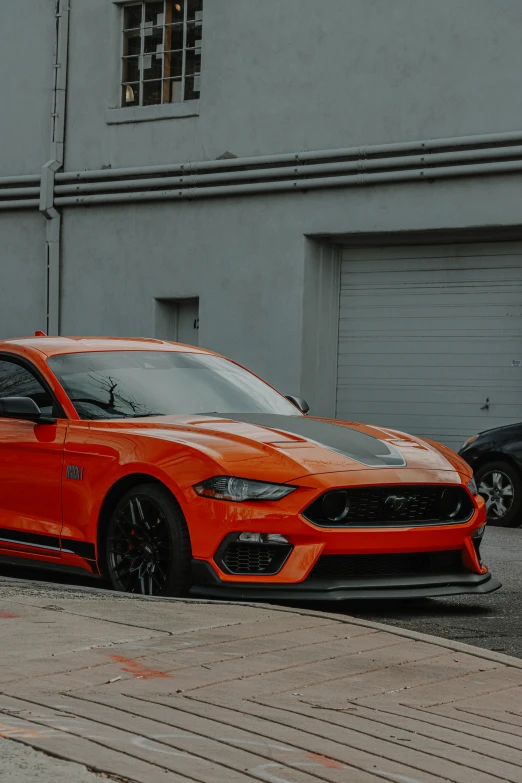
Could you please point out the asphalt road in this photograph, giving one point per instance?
(493, 621)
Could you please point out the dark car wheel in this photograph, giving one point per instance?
(501, 487)
(148, 545)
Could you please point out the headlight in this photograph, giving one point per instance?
(469, 441)
(472, 486)
(238, 489)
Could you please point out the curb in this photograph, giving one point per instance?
(478, 652)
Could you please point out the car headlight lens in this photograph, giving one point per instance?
(469, 441)
(472, 486)
(239, 490)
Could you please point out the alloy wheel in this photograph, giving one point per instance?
(140, 547)
(498, 491)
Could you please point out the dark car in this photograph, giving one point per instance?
(496, 459)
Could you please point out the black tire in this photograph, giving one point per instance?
(147, 545)
(500, 485)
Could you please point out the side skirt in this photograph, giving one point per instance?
(49, 546)
(48, 565)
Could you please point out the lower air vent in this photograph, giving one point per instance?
(235, 557)
(347, 567)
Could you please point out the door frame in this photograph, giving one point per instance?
(29, 366)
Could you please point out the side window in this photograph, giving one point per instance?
(16, 381)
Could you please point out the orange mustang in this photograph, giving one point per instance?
(171, 470)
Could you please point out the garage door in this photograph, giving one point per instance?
(430, 338)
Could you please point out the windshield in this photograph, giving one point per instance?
(129, 384)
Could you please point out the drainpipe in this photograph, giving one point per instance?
(54, 164)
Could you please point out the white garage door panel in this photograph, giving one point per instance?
(373, 376)
(431, 309)
(402, 353)
(417, 365)
(428, 334)
(410, 398)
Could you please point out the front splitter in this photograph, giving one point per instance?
(206, 584)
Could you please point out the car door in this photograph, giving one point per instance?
(31, 458)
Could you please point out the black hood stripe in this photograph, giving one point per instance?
(358, 446)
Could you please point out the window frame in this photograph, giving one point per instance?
(164, 81)
(58, 411)
(114, 114)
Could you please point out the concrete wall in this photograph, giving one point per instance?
(26, 65)
(22, 273)
(299, 74)
(278, 76)
(249, 284)
(246, 260)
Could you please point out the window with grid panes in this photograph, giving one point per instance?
(161, 52)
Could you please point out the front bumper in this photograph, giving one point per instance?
(207, 584)
(211, 523)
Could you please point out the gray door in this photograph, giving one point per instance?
(177, 320)
(188, 323)
(430, 338)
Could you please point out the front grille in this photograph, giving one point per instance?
(346, 567)
(254, 559)
(391, 506)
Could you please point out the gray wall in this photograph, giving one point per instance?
(23, 272)
(246, 260)
(278, 76)
(26, 65)
(289, 75)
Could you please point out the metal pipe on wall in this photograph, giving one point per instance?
(24, 179)
(303, 172)
(227, 183)
(363, 152)
(358, 180)
(7, 192)
(20, 204)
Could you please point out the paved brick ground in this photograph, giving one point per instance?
(149, 690)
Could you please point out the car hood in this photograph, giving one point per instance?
(506, 429)
(256, 445)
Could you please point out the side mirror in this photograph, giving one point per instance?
(299, 403)
(23, 408)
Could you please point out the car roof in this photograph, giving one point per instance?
(53, 346)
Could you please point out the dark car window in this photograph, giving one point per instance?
(17, 381)
(121, 384)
